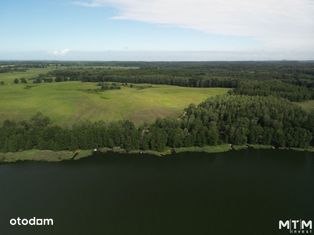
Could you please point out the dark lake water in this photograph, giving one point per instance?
(243, 192)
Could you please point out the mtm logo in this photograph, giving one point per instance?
(297, 226)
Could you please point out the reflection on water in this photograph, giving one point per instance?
(244, 192)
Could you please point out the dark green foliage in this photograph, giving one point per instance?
(38, 133)
(107, 86)
(157, 138)
(141, 76)
(37, 80)
(48, 80)
(194, 74)
(255, 120)
(23, 80)
(290, 80)
(62, 79)
(274, 88)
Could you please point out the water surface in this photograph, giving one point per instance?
(242, 192)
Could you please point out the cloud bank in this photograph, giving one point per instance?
(60, 52)
(274, 24)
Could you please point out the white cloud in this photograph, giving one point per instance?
(60, 52)
(276, 24)
(88, 4)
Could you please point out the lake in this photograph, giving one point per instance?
(238, 192)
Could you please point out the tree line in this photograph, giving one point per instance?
(232, 119)
(274, 88)
(290, 80)
(291, 89)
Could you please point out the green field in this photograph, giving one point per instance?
(69, 102)
(43, 155)
(307, 105)
(8, 78)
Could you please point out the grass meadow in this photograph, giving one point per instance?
(8, 78)
(307, 105)
(69, 102)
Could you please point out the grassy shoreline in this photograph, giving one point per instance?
(58, 156)
(43, 155)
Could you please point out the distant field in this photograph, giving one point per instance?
(68, 102)
(9, 77)
(307, 105)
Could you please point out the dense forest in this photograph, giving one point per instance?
(274, 88)
(15, 66)
(231, 119)
(293, 71)
(294, 81)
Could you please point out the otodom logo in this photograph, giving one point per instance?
(32, 222)
(296, 226)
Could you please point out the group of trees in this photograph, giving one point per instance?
(290, 80)
(21, 80)
(224, 119)
(105, 75)
(104, 86)
(10, 68)
(274, 88)
(256, 120)
(285, 70)
(21, 66)
(43, 78)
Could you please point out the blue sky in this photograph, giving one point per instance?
(145, 30)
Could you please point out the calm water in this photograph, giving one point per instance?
(243, 192)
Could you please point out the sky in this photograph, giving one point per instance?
(157, 30)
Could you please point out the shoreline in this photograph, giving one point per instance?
(58, 156)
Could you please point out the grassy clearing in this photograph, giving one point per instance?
(206, 149)
(260, 146)
(69, 102)
(8, 78)
(42, 155)
(307, 105)
(167, 151)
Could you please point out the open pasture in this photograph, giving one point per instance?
(69, 102)
(8, 78)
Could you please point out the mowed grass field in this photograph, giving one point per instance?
(67, 103)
